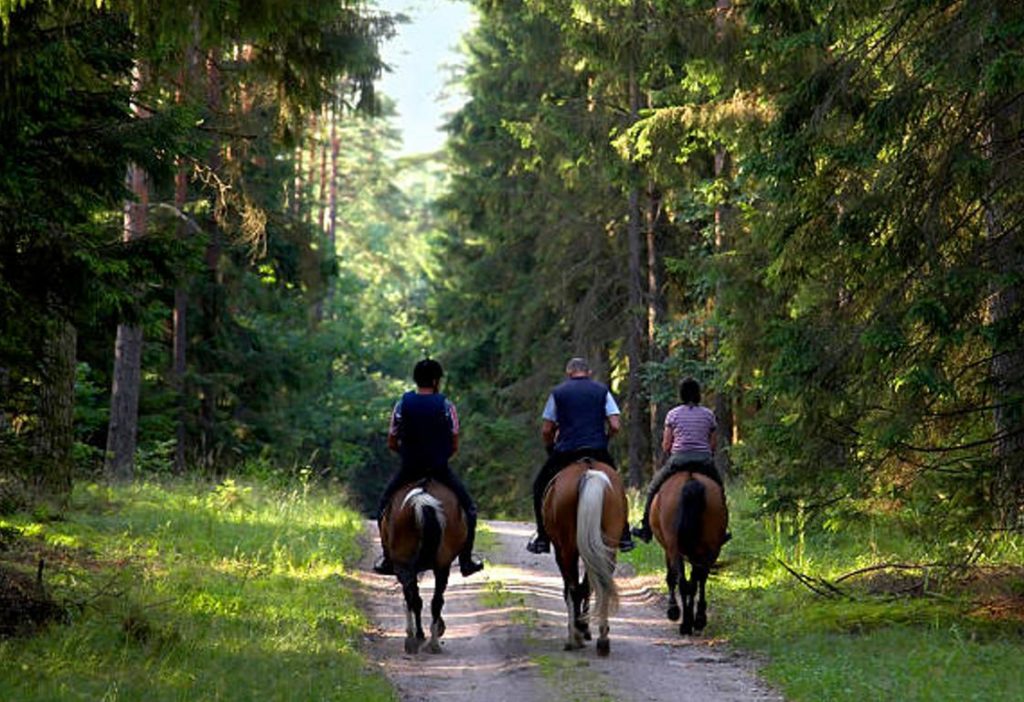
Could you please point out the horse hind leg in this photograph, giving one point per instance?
(571, 592)
(672, 568)
(604, 646)
(700, 620)
(687, 589)
(437, 626)
(414, 635)
(583, 622)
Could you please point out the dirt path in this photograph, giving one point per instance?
(506, 627)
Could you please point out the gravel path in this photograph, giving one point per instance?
(506, 627)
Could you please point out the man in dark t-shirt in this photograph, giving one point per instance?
(579, 417)
(424, 431)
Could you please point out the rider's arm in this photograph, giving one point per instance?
(614, 424)
(396, 419)
(453, 423)
(548, 429)
(611, 413)
(667, 438)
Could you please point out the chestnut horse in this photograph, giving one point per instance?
(424, 529)
(584, 515)
(689, 520)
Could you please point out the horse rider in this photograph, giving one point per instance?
(424, 431)
(578, 419)
(690, 440)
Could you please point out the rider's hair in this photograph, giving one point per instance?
(689, 391)
(577, 364)
(427, 373)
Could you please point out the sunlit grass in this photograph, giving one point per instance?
(867, 647)
(197, 592)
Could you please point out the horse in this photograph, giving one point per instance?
(424, 529)
(584, 513)
(689, 519)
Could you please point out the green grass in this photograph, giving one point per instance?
(193, 592)
(867, 647)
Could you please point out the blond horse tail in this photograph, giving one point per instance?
(597, 556)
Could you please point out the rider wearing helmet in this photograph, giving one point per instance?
(424, 431)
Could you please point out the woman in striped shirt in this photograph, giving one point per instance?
(690, 441)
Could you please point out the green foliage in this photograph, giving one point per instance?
(227, 591)
(889, 639)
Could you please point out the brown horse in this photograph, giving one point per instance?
(584, 514)
(424, 529)
(689, 520)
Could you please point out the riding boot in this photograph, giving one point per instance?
(383, 565)
(626, 540)
(467, 564)
(644, 531)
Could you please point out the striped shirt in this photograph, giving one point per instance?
(691, 427)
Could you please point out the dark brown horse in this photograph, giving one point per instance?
(584, 514)
(689, 520)
(424, 529)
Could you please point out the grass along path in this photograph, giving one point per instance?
(193, 592)
(950, 640)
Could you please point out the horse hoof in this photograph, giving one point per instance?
(586, 635)
(699, 622)
(685, 629)
(434, 647)
(604, 647)
(673, 613)
(412, 645)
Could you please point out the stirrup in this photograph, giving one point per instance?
(626, 543)
(539, 544)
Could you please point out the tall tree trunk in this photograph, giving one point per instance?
(212, 304)
(179, 316)
(655, 315)
(723, 216)
(321, 221)
(119, 461)
(56, 432)
(1005, 143)
(636, 420)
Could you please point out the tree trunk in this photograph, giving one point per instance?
(212, 302)
(1004, 307)
(636, 420)
(119, 461)
(55, 436)
(723, 216)
(655, 315)
(321, 221)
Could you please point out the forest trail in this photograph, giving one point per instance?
(506, 627)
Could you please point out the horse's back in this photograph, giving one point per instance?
(402, 533)
(714, 519)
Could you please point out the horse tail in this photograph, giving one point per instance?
(430, 520)
(597, 556)
(691, 513)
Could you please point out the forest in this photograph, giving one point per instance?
(213, 265)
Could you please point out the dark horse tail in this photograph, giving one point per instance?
(691, 514)
(430, 520)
